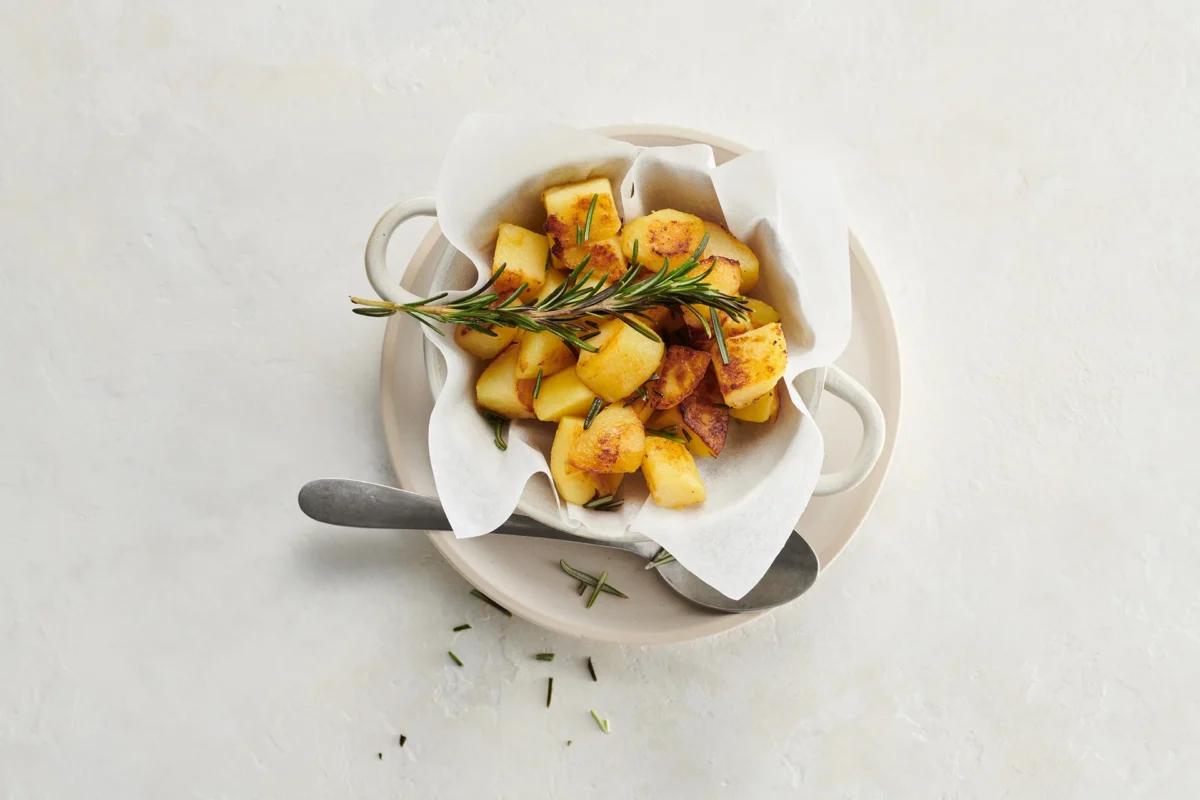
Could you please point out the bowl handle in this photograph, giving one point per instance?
(841, 385)
(376, 256)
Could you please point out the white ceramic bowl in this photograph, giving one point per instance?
(454, 270)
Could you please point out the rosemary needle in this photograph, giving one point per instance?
(660, 558)
(592, 412)
(491, 602)
(671, 433)
(549, 690)
(403, 739)
(719, 335)
(590, 580)
(599, 587)
(454, 658)
(498, 431)
(462, 627)
(582, 234)
(600, 723)
(537, 384)
(544, 656)
(592, 670)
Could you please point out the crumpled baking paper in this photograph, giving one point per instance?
(787, 207)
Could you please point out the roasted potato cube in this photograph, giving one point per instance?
(545, 351)
(724, 276)
(624, 361)
(723, 243)
(615, 442)
(707, 422)
(764, 409)
(562, 395)
(761, 313)
(522, 253)
(574, 485)
(671, 474)
(666, 234)
(481, 345)
(567, 207)
(603, 258)
(681, 371)
(499, 390)
(757, 360)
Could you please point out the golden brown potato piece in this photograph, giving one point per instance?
(562, 395)
(666, 234)
(567, 207)
(604, 258)
(522, 253)
(764, 409)
(615, 442)
(575, 485)
(671, 420)
(542, 351)
(761, 313)
(624, 361)
(723, 243)
(724, 276)
(481, 345)
(708, 422)
(499, 390)
(757, 360)
(671, 474)
(681, 371)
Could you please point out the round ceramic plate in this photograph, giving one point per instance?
(523, 574)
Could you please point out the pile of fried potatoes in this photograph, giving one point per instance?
(663, 403)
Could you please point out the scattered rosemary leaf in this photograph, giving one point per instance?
(549, 690)
(374, 312)
(590, 580)
(569, 742)
(660, 558)
(582, 588)
(497, 423)
(544, 656)
(602, 724)
(599, 587)
(537, 384)
(592, 412)
(403, 739)
(719, 335)
(491, 602)
(606, 503)
(592, 670)
(462, 627)
(380, 756)
(454, 658)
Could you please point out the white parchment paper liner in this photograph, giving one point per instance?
(787, 207)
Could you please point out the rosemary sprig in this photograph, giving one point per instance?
(573, 310)
(597, 404)
(606, 503)
(599, 587)
(719, 335)
(491, 602)
(454, 658)
(537, 384)
(590, 580)
(672, 433)
(582, 234)
(544, 656)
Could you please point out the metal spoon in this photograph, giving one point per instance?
(339, 501)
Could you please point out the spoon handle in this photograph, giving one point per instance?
(359, 504)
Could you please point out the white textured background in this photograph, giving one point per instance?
(184, 195)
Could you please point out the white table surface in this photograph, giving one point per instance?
(184, 196)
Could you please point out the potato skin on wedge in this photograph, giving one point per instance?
(680, 373)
